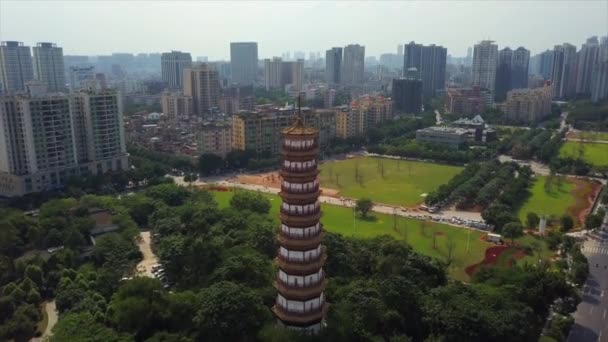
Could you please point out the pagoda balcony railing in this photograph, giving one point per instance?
(301, 285)
(305, 260)
(306, 312)
(301, 153)
(307, 233)
(300, 318)
(301, 212)
(303, 267)
(299, 168)
(293, 190)
(300, 292)
(300, 148)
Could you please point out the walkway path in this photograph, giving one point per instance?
(51, 312)
(149, 258)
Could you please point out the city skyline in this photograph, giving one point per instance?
(580, 20)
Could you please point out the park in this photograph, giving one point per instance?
(389, 181)
(460, 248)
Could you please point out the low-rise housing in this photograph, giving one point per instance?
(452, 137)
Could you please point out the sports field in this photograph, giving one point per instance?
(467, 246)
(389, 181)
(595, 154)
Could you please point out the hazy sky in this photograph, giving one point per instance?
(206, 28)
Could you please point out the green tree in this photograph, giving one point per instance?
(210, 163)
(364, 206)
(593, 221)
(567, 223)
(228, 312)
(83, 327)
(247, 200)
(512, 231)
(532, 220)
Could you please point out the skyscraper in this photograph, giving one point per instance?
(519, 68)
(172, 66)
(430, 61)
(301, 281)
(333, 66)
(503, 74)
(599, 81)
(587, 58)
(407, 95)
(15, 66)
(79, 75)
(354, 64)
(48, 66)
(273, 69)
(564, 71)
(244, 62)
(485, 59)
(546, 64)
(202, 84)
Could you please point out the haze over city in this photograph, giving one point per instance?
(205, 28)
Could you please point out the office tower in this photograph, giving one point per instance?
(48, 66)
(564, 71)
(278, 74)
(519, 68)
(407, 95)
(176, 105)
(202, 84)
(485, 59)
(244, 62)
(503, 74)
(15, 67)
(400, 50)
(172, 66)
(98, 129)
(587, 58)
(300, 302)
(546, 64)
(333, 66)
(273, 69)
(79, 76)
(353, 64)
(430, 61)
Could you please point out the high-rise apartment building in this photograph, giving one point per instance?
(236, 98)
(519, 68)
(529, 105)
(564, 71)
(202, 84)
(587, 59)
(353, 65)
(15, 67)
(278, 74)
(407, 95)
(98, 130)
(176, 105)
(333, 66)
(467, 101)
(48, 66)
(244, 62)
(503, 74)
(80, 75)
(347, 123)
(485, 60)
(430, 61)
(172, 66)
(599, 81)
(48, 137)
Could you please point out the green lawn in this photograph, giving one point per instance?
(555, 202)
(417, 233)
(403, 182)
(589, 135)
(593, 153)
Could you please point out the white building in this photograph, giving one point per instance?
(80, 75)
(485, 60)
(48, 66)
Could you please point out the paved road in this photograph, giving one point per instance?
(537, 168)
(145, 265)
(51, 312)
(591, 316)
(588, 141)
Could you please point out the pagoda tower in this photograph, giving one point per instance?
(300, 282)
